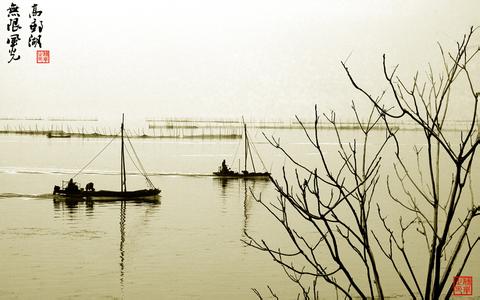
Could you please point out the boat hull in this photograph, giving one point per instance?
(245, 175)
(108, 195)
(57, 135)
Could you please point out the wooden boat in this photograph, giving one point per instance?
(70, 189)
(225, 172)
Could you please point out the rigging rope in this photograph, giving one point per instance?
(142, 171)
(259, 157)
(95, 157)
(249, 150)
(235, 155)
(150, 184)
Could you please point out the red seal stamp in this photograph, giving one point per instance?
(462, 286)
(43, 56)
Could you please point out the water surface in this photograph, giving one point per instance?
(187, 245)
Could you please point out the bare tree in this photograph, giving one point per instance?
(334, 201)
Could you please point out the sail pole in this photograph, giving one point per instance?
(123, 177)
(246, 142)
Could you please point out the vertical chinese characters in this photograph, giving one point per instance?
(36, 28)
(36, 32)
(13, 27)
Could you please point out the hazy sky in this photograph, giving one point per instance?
(262, 59)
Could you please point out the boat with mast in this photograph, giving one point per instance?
(71, 189)
(225, 172)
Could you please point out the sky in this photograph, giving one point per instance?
(269, 59)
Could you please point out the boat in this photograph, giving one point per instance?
(58, 134)
(71, 189)
(225, 172)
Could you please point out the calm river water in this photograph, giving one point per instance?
(188, 245)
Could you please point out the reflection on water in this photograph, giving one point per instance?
(251, 188)
(187, 246)
(73, 207)
(244, 189)
(123, 216)
(223, 184)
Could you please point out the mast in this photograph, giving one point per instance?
(246, 142)
(123, 177)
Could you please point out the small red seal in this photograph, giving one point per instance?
(462, 286)
(43, 56)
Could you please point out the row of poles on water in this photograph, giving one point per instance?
(188, 128)
(165, 132)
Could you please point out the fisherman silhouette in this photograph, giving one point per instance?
(224, 166)
(89, 187)
(71, 186)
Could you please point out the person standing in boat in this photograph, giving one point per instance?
(71, 186)
(224, 167)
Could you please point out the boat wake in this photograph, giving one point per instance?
(40, 171)
(179, 174)
(35, 196)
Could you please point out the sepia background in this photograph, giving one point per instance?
(266, 61)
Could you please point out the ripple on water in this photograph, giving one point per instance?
(38, 231)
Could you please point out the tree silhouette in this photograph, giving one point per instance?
(338, 223)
